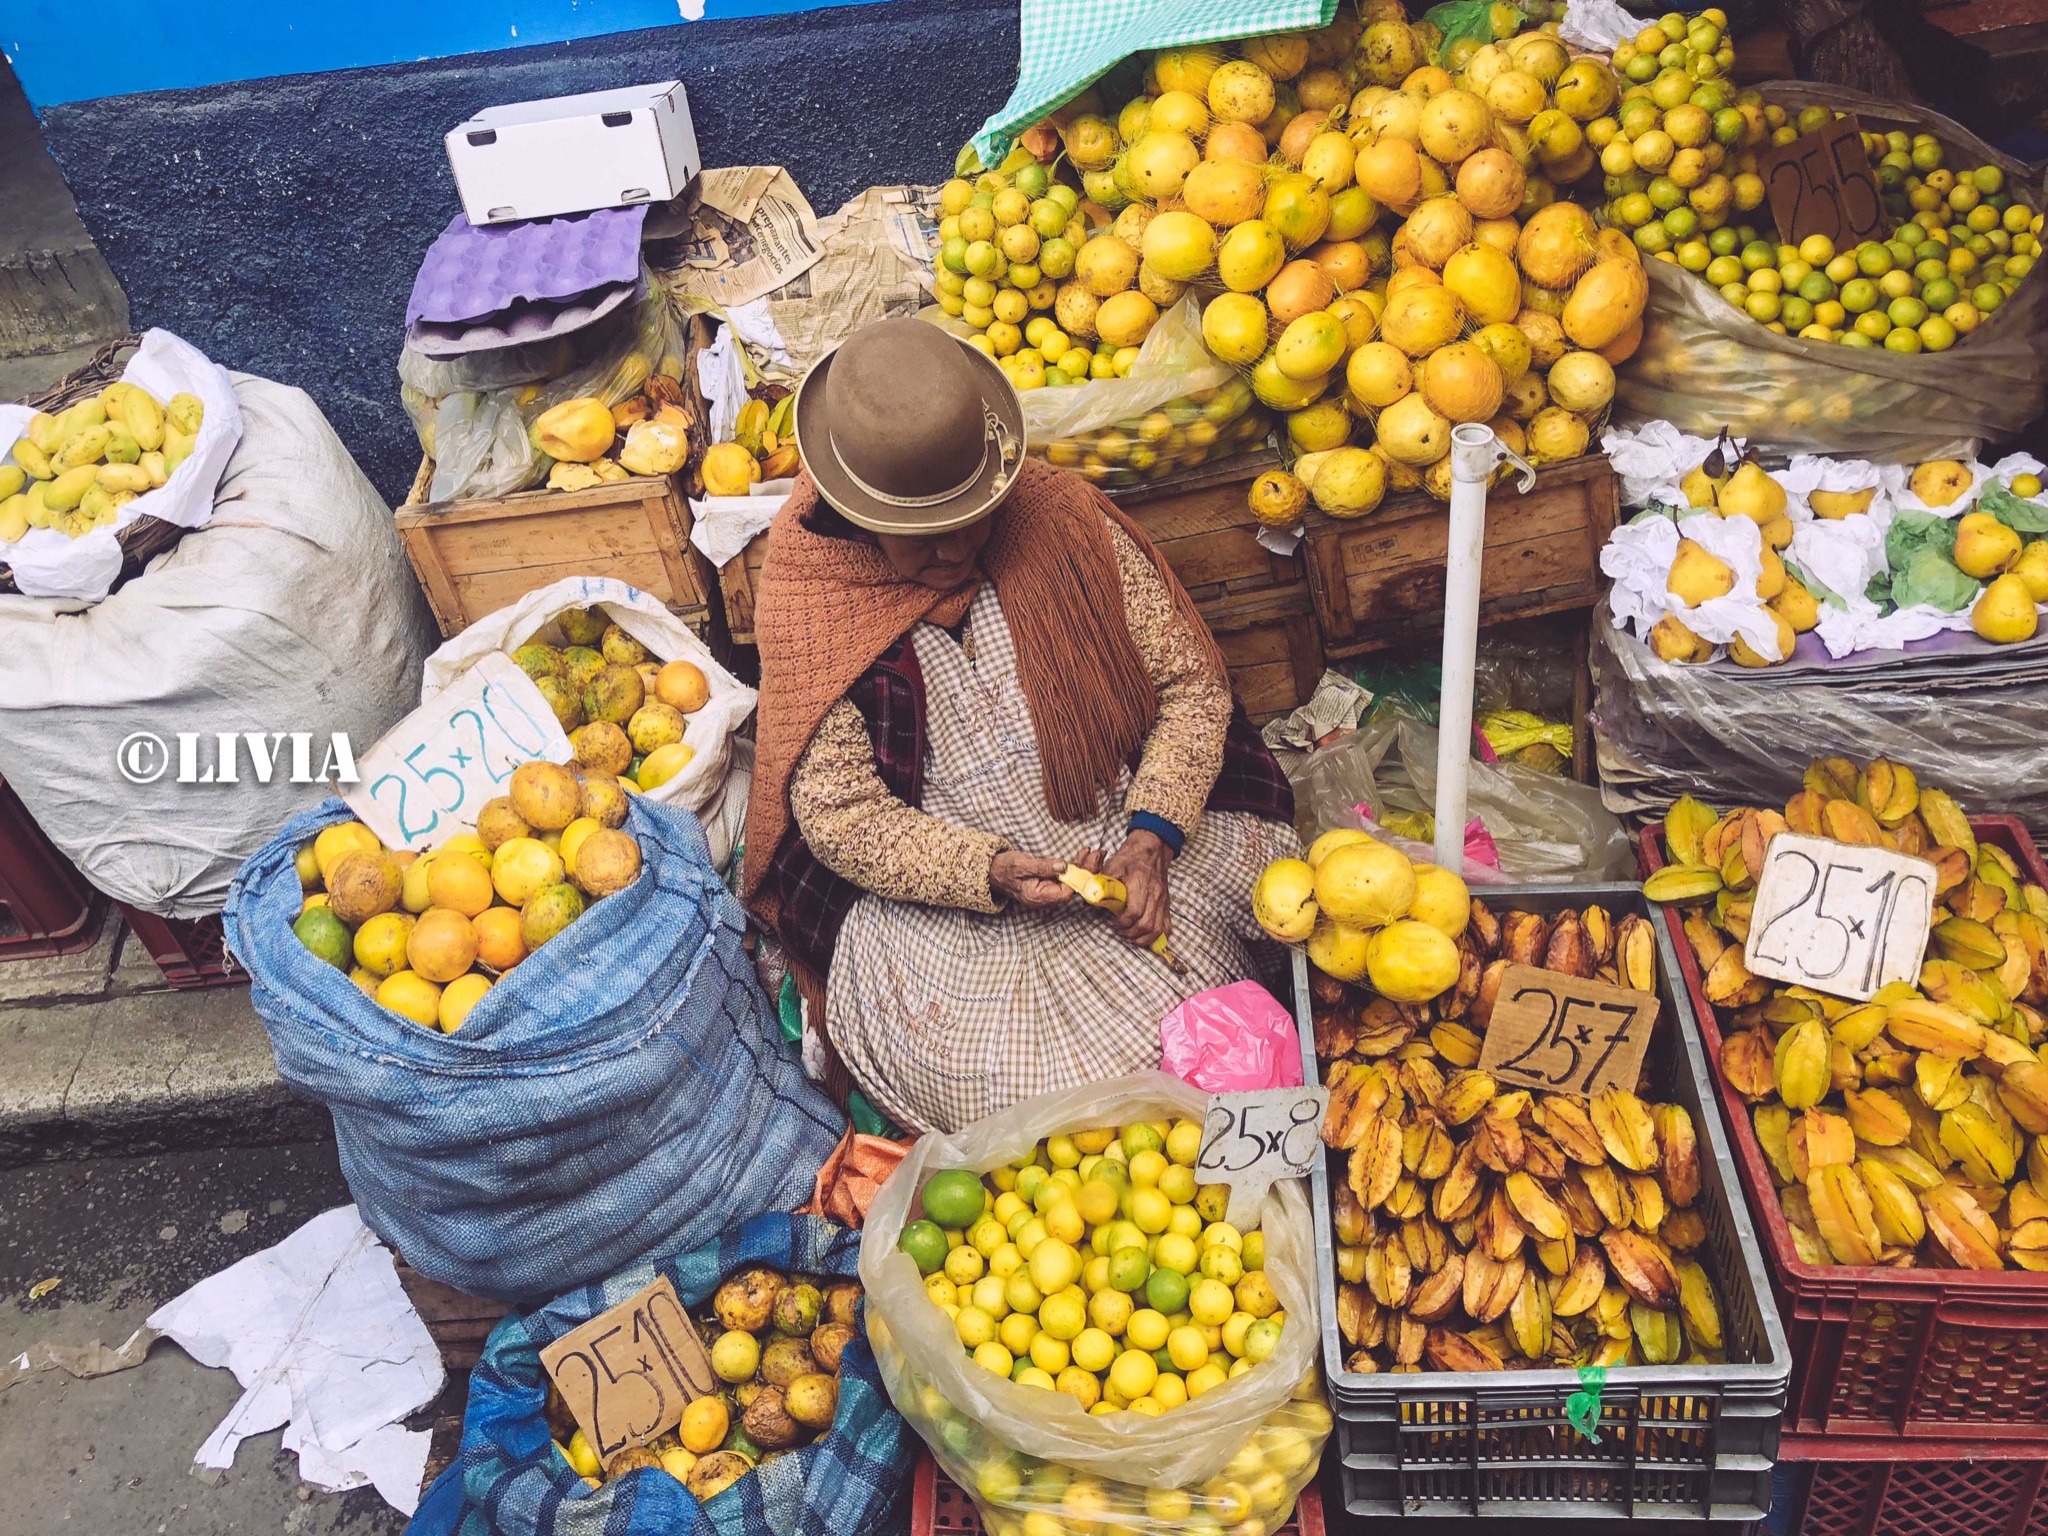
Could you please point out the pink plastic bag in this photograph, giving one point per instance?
(1232, 1039)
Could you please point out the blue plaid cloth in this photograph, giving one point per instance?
(510, 1480)
(623, 1091)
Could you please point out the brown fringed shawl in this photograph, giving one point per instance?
(830, 608)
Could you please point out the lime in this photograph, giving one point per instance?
(954, 1198)
(1129, 1269)
(325, 936)
(1142, 1136)
(1166, 1290)
(926, 1245)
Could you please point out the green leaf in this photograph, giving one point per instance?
(1912, 532)
(1931, 577)
(1462, 18)
(2016, 512)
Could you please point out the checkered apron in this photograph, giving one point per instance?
(944, 1016)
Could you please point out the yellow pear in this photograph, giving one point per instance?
(1752, 494)
(1700, 488)
(1739, 649)
(1939, 482)
(1698, 576)
(1770, 580)
(2004, 614)
(1796, 606)
(1835, 505)
(1778, 532)
(1672, 641)
(2032, 568)
(1984, 545)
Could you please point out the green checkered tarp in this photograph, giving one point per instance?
(1068, 43)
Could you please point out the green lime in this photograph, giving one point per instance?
(1129, 1269)
(1166, 1290)
(1141, 1136)
(926, 1245)
(325, 936)
(954, 1198)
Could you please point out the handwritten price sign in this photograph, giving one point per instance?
(629, 1372)
(432, 772)
(1563, 1034)
(1252, 1140)
(1822, 184)
(1839, 918)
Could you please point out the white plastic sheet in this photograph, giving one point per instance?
(47, 563)
(1638, 557)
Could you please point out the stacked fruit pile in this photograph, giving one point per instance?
(74, 471)
(777, 1341)
(1098, 1268)
(624, 711)
(1480, 1227)
(1698, 575)
(428, 933)
(763, 447)
(1959, 250)
(1366, 912)
(646, 433)
(1907, 1129)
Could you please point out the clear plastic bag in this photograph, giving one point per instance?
(1704, 365)
(1668, 729)
(1179, 406)
(1240, 1451)
(473, 412)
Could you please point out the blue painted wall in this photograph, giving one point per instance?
(168, 47)
(278, 223)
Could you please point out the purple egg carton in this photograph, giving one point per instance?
(519, 323)
(472, 272)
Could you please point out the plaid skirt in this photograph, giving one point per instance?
(944, 1016)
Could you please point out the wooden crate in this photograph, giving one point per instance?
(476, 554)
(1271, 645)
(1380, 579)
(739, 579)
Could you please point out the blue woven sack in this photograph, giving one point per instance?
(511, 1480)
(623, 1091)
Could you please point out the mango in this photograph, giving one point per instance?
(121, 448)
(66, 491)
(33, 459)
(178, 448)
(153, 464)
(184, 414)
(110, 398)
(86, 446)
(143, 418)
(12, 479)
(38, 510)
(13, 518)
(40, 426)
(124, 477)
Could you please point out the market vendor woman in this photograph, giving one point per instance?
(975, 670)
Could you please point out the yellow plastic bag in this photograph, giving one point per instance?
(1035, 1462)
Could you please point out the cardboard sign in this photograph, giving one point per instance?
(1251, 1140)
(1822, 184)
(1837, 917)
(1564, 1034)
(629, 1372)
(432, 772)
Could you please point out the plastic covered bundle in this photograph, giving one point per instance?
(1240, 1452)
(473, 412)
(1179, 406)
(1705, 365)
(1667, 729)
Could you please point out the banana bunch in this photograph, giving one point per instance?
(1481, 1227)
(1907, 1129)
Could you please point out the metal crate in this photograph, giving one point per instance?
(1692, 1444)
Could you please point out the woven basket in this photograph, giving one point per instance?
(145, 538)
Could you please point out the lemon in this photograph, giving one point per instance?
(1020, 1293)
(1133, 1372)
(1185, 1220)
(1253, 1250)
(1212, 1201)
(1169, 1506)
(1005, 1261)
(1048, 1352)
(1150, 1407)
(1234, 1329)
(994, 1358)
(1095, 1274)
(1029, 1234)
(1187, 1348)
(1096, 1200)
(1211, 1304)
(1150, 1211)
(1147, 1330)
(411, 996)
(1054, 1265)
(1095, 1141)
(1177, 1183)
(1171, 1250)
(1142, 1136)
(1222, 1264)
(1008, 1204)
(457, 998)
(1110, 1311)
(1146, 1167)
(1184, 1142)
(1208, 1376)
(581, 1455)
(1080, 1385)
(1170, 1389)
(1016, 1331)
(1061, 1151)
(987, 1236)
(1063, 1316)
(1029, 1179)
(943, 1292)
(1064, 1222)
(987, 1294)
(1261, 1339)
(1032, 1376)
(964, 1265)
(1255, 1294)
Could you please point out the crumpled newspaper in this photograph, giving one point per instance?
(324, 1341)
(1337, 705)
(722, 526)
(1597, 25)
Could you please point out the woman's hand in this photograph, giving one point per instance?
(1141, 864)
(1031, 883)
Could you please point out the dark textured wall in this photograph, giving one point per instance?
(277, 224)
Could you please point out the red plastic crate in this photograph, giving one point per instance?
(939, 1508)
(46, 906)
(191, 952)
(1900, 1355)
(1851, 1488)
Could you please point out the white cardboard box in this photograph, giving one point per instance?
(570, 154)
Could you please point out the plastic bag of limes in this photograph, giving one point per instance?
(1211, 1419)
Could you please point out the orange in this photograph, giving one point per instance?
(462, 885)
(498, 944)
(442, 946)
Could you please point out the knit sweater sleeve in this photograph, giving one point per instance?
(861, 832)
(1184, 753)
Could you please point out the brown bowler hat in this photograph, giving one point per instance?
(907, 429)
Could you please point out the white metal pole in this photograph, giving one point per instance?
(1474, 453)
